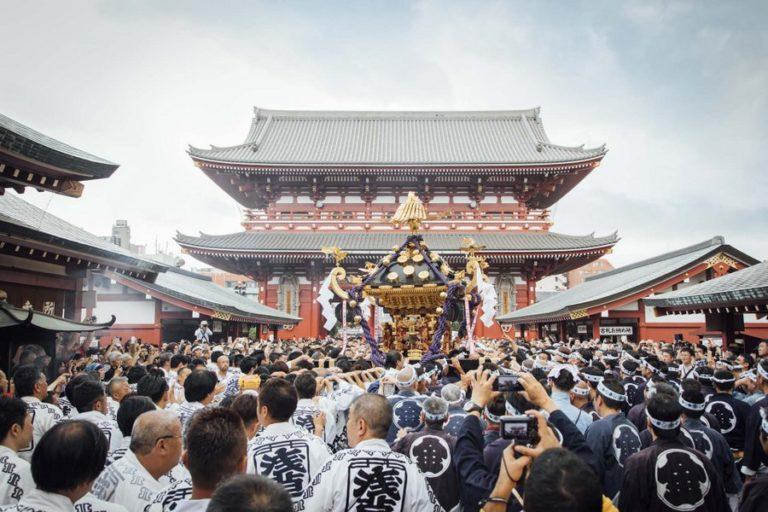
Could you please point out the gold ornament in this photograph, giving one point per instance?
(408, 270)
(439, 311)
(443, 295)
(418, 258)
(424, 275)
(392, 276)
(353, 303)
(402, 258)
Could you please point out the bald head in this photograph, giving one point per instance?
(406, 378)
(375, 411)
(150, 427)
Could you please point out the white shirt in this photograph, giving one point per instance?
(342, 398)
(44, 416)
(90, 503)
(287, 454)
(127, 482)
(41, 501)
(370, 477)
(112, 405)
(15, 477)
(106, 425)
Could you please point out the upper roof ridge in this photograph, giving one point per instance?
(261, 113)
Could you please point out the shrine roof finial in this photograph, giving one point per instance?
(411, 212)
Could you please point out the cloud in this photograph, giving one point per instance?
(676, 90)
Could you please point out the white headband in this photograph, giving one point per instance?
(691, 406)
(763, 373)
(764, 425)
(409, 382)
(511, 409)
(592, 378)
(580, 391)
(607, 393)
(578, 357)
(555, 372)
(651, 367)
(663, 425)
(491, 417)
(651, 388)
(434, 417)
(724, 381)
(632, 358)
(702, 376)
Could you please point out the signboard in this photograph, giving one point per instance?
(581, 329)
(616, 330)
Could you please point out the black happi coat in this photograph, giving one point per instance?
(712, 444)
(732, 414)
(670, 477)
(612, 440)
(432, 451)
(753, 450)
(755, 496)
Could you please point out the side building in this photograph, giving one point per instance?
(615, 304)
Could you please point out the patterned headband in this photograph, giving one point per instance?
(632, 358)
(511, 409)
(764, 426)
(724, 381)
(555, 372)
(592, 378)
(763, 373)
(408, 383)
(491, 417)
(607, 393)
(577, 356)
(580, 391)
(702, 376)
(691, 406)
(663, 425)
(433, 416)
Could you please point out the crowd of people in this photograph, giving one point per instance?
(244, 425)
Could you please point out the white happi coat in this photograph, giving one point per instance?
(342, 398)
(106, 425)
(307, 408)
(41, 501)
(15, 477)
(44, 416)
(287, 454)
(127, 482)
(90, 503)
(369, 476)
(185, 412)
(173, 497)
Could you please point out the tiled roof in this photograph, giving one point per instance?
(749, 285)
(285, 137)
(622, 282)
(20, 139)
(200, 291)
(22, 218)
(372, 242)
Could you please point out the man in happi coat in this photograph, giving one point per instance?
(15, 434)
(755, 495)
(369, 476)
(155, 449)
(282, 451)
(432, 450)
(406, 403)
(669, 476)
(613, 438)
(32, 387)
(730, 412)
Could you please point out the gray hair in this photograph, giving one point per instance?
(451, 393)
(114, 382)
(149, 427)
(435, 409)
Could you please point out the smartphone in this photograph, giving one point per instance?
(316, 363)
(521, 429)
(505, 383)
(469, 364)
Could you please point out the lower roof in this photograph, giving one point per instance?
(11, 316)
(622, 282)
(196, 292)
(748, 286)
(381, 242)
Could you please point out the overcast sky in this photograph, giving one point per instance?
(677, 90)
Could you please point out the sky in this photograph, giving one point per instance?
(678, 90)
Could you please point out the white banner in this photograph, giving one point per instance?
(581, 329)
(616, 330)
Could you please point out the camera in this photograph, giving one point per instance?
(521, 429)
(505, 383)
(468, 365)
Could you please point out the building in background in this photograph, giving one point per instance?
(315, 179)
(121, 236)
(581, 274)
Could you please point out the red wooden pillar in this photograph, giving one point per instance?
(596, 326)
